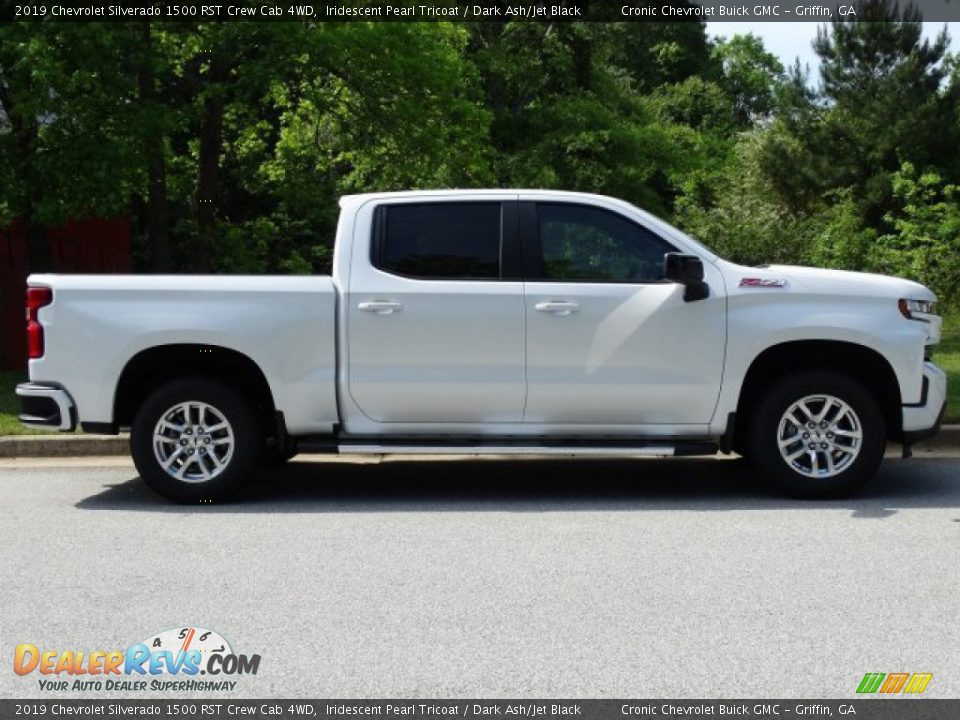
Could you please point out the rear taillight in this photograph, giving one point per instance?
(37, 297)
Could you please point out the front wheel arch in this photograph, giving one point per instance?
(788, 358)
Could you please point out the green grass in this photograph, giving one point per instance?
(10, 405)
(947, 356)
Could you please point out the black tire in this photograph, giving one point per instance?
(808, 475)
(207, 450)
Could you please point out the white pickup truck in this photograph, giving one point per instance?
(493, 321)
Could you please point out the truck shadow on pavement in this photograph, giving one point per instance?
(706, 484)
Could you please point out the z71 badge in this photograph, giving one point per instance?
(763, 282)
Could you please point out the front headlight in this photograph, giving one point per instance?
(909, 308)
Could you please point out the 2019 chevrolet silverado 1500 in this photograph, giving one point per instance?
(491, 322)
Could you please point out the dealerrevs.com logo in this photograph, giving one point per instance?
(168, 661)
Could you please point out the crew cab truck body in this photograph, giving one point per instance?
(500, 321)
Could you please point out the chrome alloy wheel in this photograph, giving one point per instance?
(193, 442)
(819, 436)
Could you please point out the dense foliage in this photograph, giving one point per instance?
(230, 143)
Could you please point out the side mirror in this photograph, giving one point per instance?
(687, 270)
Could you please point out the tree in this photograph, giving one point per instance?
(567, 113)
(670, 52)
(925, 242)
(700, 104)
(739, 216)
(750, 75)
(64, 97)
(152, 128)
(231, 141)
(879, 104)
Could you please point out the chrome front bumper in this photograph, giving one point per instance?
(46, 406)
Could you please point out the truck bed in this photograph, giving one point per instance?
(286, 324)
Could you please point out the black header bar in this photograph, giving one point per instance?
(453, 11)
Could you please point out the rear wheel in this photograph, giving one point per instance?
(195, 440)
(818, 434)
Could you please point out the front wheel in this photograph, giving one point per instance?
(195, 440)
(818, 434)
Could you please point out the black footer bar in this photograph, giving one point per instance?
(900, 708)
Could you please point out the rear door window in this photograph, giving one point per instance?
(449, 240)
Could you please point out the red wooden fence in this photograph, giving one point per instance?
(80, 246)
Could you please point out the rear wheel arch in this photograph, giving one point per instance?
(161, 364)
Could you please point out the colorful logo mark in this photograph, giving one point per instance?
(188, 650)
(893, 683)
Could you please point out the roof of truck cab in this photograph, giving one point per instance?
(363, 197)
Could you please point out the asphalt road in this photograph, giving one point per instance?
(461, 578)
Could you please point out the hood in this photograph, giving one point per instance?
(829, 282)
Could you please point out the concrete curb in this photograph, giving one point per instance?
(947, 439)
(38, 446)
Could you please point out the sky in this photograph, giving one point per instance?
(789, 40)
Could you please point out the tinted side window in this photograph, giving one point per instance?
(441, 240)
(579, 242)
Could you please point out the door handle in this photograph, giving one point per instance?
(380, 307)
(557, 307)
